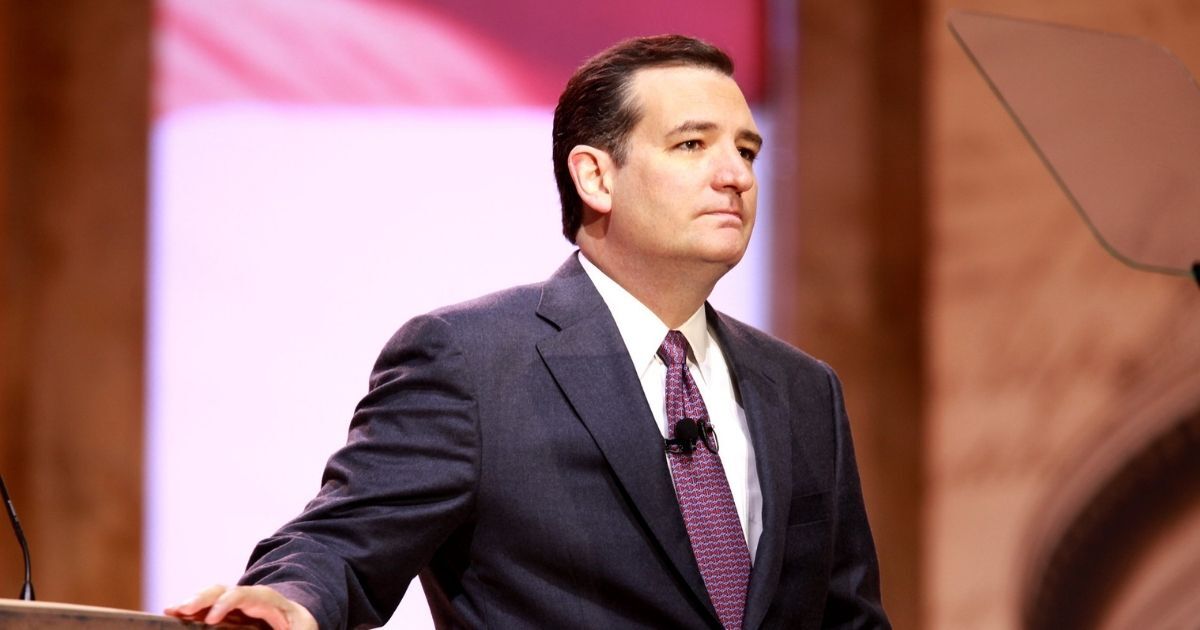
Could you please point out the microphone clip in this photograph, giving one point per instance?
(688, 432)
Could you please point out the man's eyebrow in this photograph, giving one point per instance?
(701, 126)
(749, 136)
(691, 126)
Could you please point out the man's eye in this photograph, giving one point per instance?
(748, 154)
(690, 145)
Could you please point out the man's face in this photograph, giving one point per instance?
(686, 191)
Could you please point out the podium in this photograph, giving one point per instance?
(21, 615)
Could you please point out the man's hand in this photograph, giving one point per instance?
(261, 602)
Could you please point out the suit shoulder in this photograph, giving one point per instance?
(767, 346)
(496, 322)
(518, 300)
(490, 323)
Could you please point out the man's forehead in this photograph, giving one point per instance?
(668, 96)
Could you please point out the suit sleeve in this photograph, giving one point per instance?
(404, 481)
(853, 599)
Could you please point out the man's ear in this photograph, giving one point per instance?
(592, 171)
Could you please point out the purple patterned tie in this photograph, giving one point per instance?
(711, 519)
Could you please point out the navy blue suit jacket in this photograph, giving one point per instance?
(506, 453)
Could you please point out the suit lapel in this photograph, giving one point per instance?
(589, 361)
(770, 435)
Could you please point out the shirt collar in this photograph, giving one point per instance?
(642, 330)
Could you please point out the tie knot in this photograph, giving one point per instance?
(673, 350)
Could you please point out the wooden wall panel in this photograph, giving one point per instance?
(849, 246)
(998, 364)
(75, 82)
(1048, 360)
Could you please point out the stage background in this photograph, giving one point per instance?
(320, 173)
(1025, 409)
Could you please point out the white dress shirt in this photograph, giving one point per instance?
(643, 333)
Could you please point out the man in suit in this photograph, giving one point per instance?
(602, 449)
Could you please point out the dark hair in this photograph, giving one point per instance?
(596, 108)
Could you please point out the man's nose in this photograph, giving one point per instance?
(733, 172)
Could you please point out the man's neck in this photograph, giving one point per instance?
(672, 290)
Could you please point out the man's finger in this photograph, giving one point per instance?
(254, 601)
(233, 598)
(198, 602)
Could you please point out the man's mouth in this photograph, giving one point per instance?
(732, 213)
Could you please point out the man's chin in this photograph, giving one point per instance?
(728, 252)
(724, 260)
